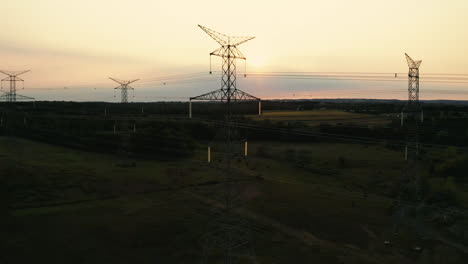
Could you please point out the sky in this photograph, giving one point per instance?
(78, 44)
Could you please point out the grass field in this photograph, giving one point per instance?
(70, 206)
(324, 116)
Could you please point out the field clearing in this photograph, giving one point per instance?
(297, 214)
(317, 117)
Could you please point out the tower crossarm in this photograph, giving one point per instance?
(132, 81)
(243, 96)
(122, 82)
(231, 52)
(223, 95)
(236, 41)
(225, 40)
(412, 64)
(13, 73)
(117, 80)
(219, 37)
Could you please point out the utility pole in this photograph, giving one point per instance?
(124, 87)
(229, 54)
(229, 234)
(410, 199)
(13, 78)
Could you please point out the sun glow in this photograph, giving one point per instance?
(256, 62)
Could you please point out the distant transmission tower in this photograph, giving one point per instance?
(229, 53)
(11, 96)
(229, 235)
(413, 84)
(410, 200)
(124, 87)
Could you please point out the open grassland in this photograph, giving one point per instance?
(305, 202)
(324, 116)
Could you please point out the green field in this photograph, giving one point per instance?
(320, 200)
(321, 116)
(70, 206)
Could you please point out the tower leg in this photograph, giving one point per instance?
(402, 119)
(259, 108)
(190, 109)
(406, 152)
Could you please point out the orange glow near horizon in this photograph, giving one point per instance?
(72, 43)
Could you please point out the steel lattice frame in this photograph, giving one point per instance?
(229, 54)
(124, 87)
(410, 192)
(413, 84)
(229, 234)
(12, 78)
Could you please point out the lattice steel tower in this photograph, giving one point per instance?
(229, 54)
(413, 83)
(124, 87)
(413, 110)
(410, 202)
(11, 96)
(229, 234)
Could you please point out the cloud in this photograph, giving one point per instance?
(23, 50)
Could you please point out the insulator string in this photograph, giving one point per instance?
(210, 65)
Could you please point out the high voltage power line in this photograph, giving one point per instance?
(345, 76)
(360, 139)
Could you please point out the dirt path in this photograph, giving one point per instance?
(305, 236)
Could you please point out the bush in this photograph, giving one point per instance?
(290, 155)
(264, 151)
(341, 162)
(456, 168)
(303, 156)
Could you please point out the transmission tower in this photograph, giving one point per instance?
(229, 235)
(413, 83)
(13, 78)
(229, 53)
(124, 87)
(410, 200)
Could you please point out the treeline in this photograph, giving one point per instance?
(130, 109)
(240, 108)
(165, 126)
(168, 138)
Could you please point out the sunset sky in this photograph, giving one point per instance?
(78, 44)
